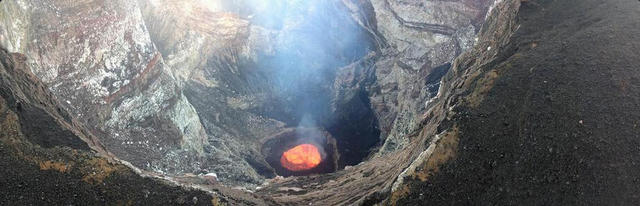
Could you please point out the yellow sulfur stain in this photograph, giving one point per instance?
(483, 86)
(99, 169)
(399, 194)
(446, 150)
(58, 166)
(215, 201)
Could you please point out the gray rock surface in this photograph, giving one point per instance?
(421, 36)
(97, 56)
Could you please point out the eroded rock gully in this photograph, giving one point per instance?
(133, 102)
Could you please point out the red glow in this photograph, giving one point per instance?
(301, 157)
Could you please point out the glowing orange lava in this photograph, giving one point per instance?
(301, 157)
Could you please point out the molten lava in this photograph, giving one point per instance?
(301, 157)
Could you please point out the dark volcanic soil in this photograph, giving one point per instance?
(27, 184)
(561, 124)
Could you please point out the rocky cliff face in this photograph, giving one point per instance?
(50, 158)
(98, 58)
(419, 41)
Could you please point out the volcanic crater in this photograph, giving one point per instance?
(337, 102)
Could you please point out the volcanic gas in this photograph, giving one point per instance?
(301, 157)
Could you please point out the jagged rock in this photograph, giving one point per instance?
(98, 58)
(421, 36)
